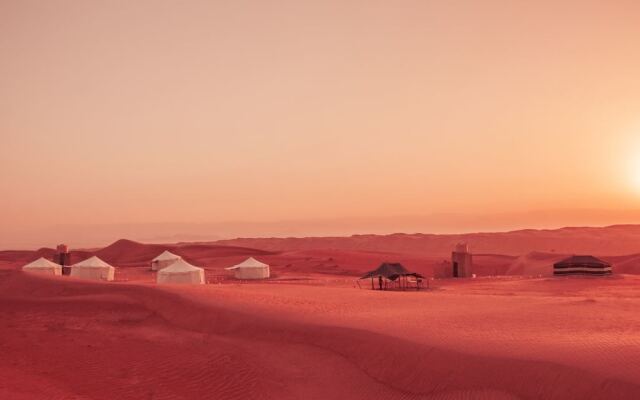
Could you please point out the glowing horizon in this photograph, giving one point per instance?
(163, 112)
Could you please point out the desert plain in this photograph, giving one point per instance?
(314, 331)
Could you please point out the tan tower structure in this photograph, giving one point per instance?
(461, 261)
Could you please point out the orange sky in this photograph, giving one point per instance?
(143, 112)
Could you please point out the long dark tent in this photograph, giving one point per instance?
(582, 265)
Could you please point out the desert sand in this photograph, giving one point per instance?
(312, 332)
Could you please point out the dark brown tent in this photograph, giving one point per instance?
(581, 265)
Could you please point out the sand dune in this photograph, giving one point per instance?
(126, 251)
(64, 339)
(129, 252)
(629, 264)
(535, 263)
(25, 255)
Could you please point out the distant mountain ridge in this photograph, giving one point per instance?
(612, 240)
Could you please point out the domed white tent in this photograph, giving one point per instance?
(93, 268)
(250, 269)
(43, 266)
(165, 259)
(181, 272)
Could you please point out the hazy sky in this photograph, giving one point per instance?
(138, 112)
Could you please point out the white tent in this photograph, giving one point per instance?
(165, 259)
(181, 272)
(93, 268)
(250, 269)
(43, 266)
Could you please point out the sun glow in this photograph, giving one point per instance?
(627, 158)
(634, 174)
(636, 178)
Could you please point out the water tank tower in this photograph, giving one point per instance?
(63, 257)
(461, 261)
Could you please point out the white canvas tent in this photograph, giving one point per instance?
(43, 266)
(93, 268)
(250, 269)
(165, 259)
(181, 272)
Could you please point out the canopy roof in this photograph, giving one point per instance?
(179, 266)
(390, 271)
(589, 261)
(93, 262)
(249, 263)
(41, 263)
(166, 255)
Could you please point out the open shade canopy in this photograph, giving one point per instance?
(390, 271)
